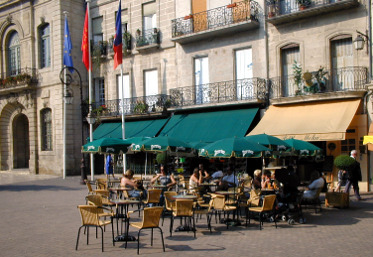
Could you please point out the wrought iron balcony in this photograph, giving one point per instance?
(132, 106)
(230, 18)
(281, 11)
(341, 79)
(219, 92)
(18, 79)
(147, 38)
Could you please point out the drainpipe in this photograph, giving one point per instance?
(267, 55)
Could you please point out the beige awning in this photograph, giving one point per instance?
(318, 121)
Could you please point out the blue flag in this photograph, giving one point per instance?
(67, 46)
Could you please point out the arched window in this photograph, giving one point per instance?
(46, 129)
(44, 46)
(14, 54)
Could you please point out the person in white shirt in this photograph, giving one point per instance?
(317, 182)
(229, 180)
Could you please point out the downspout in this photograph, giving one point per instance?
(267, 55)
(366, 97)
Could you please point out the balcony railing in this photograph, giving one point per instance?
(219, 92)
(341, 79)
(18, 78)
(216, 18)
(132, 106)
(283, 10)
(148, 37)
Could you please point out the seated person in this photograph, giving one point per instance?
(164, 179)
(136, 189)
(196, 179)
(266, 180)
(317, 182)
(256, 184)
(217, 174)
(229, 180)
(205, 174)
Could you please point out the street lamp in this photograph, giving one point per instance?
(360, 40)
(91, 119)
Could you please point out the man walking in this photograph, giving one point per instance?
(354, 176)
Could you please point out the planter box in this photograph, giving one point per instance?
(336, 199)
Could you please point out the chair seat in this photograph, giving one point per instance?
(136, 224)
(105, 214)
(256, 209)
(104, 222)
(229, 208)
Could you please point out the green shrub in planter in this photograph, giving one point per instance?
(343, 162)
(161, 158)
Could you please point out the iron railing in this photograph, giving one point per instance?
(341, 79)
(282, 7)
(148, 37)
(215, 18)
(219, 92)
(134, 105)
(19, 76)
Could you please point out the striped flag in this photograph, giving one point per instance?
(117, 47)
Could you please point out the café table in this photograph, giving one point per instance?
(122, 206)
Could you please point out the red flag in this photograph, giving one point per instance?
(85, 46)
(117, 46)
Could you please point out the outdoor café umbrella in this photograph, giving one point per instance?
(238, 147)
(302, 147)
(106, 146)
(269, 141)
(172, 145)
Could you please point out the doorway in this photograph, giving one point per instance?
(21, 143)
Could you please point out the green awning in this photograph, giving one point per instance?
(209, 126)
(145, 128)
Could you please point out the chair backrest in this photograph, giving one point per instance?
(89, 186)
(89, 215)
(95, 200)
(183, 207)
(218, 202)
(170, 203)
(154, 195)
(268, 202)
(101, 183)
(318, 191)
(151, 217)
(254, 197)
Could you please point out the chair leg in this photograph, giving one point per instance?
(77, 240)
(102, 238)
(138, 242)
(151, 240)
(194, 226)
(112, 230)
(171, 224)
(87, 235)
(162, 239)
(260, 221)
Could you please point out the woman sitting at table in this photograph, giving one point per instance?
(136, 190)
(256, 184)
(164, 179)
(196, 179)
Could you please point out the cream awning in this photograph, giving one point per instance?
(318, 121)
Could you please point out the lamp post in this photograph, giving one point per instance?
(360, 40)
(67, 78)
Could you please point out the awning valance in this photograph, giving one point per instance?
(318, 121)
(209, 126)
(145, 128)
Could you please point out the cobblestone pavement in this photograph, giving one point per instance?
(39, 218)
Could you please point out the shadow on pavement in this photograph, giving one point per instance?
(35, 188)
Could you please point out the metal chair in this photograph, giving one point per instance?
(268, 207)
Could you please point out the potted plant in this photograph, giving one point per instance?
(126, 37)
(344, 162)
(141, 107)
(321, 79)
(231, 5)
(303, 4)
(190, 16)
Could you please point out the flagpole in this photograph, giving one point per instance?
(90, 87)
(123, 118)
(64, 119)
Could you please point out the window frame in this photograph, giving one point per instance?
(46, 130)
(44, 52)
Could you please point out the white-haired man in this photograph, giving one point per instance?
(354, 176)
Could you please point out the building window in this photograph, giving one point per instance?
(46, 130)
(151, 86)
(289, 55)
(127, 92)
(348, 145)
(14, 54)
(342, 59)
(149, 16)
(44, 39)
(99, 91)
(244, 74)
(201, 79)
(97, 30)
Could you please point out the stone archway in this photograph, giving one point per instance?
(21, 142)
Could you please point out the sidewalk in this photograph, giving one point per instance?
(39, 218)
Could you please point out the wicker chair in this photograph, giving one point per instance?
(101, 183)
(183, 209)
(91, 218)
(97, 200)
(268, 207)
(153, 197)
(219, 206)
(150, 220)
(89, 187)
(169, 204)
